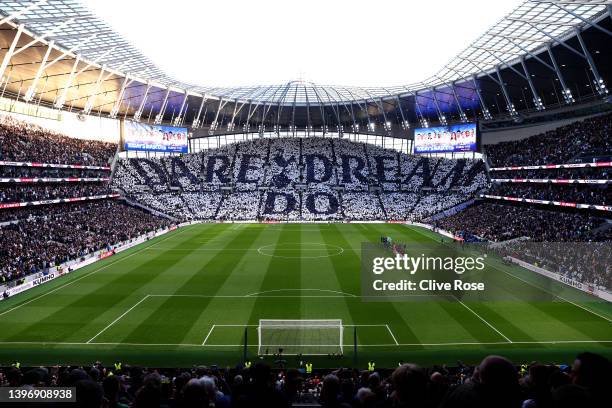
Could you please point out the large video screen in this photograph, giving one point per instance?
(446, 139)
(154, 138)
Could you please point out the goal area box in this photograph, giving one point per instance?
(307, 337)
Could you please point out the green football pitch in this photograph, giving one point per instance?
(192, 296)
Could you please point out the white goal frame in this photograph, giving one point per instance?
(300, 324)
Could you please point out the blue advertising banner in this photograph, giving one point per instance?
(446, 139)
(155, 138)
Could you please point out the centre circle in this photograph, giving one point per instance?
(307, 250)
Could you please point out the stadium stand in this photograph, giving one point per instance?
(587, 173)
(588, 263)
(16, 172)
(500, 222)
(566, 144)
(21, 141)
(566, 183)
(48, 191)
(300, 179)
(575, 193)
(495, 382)
(32, 239)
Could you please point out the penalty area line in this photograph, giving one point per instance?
(208, 335)
(483, 320)
(392, 335)
(119, 318)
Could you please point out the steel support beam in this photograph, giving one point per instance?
(584, 20)
(462, 115)
(23, 11)
(567, 93)
(422, 118)
(48, 33)
(196, 120)
(371, 126)
(509, 104)
(483, 106)
(126, 82)
(441, 117)
(10, 51)
(598, 81)
(91, 100)
(537, 100)
(405, 122)
(236, 112)
(138, 113)
(59, 102)
(179, 118)
(381, 108)
(557, 40)
(32, 89)
(162, 110)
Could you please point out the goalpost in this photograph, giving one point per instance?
(308, 337)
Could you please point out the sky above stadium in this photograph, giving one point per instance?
(339, 42)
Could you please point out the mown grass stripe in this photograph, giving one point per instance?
(372, 233)
(243, 280)
(174, 316)
(70, 320)
(322, 273)
(282, 273)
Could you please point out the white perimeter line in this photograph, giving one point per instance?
(117, 319)
(391, 333)
(90, 273)
(555, 295)
(481, 318)
(208, 335)
(256, 325)
(239, 249)
(254, 296)
(500, 343)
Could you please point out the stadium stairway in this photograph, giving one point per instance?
(604, 227)
(149, 209)
(382, 206)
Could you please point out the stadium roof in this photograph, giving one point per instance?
(532, 25)
(543, 55)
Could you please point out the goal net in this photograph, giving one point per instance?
(308, 337)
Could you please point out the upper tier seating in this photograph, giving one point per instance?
(25, 142)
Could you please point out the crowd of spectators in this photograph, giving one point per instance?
(561, 145)
(573, 193)
(300, 179)
(581, 173)
(501, 222)
(26, 142)
(495, 382)
(586, 262)
(41, 237)
(240, 206)
(21, 192)
(50, 172)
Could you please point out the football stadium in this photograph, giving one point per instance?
(166, 242)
